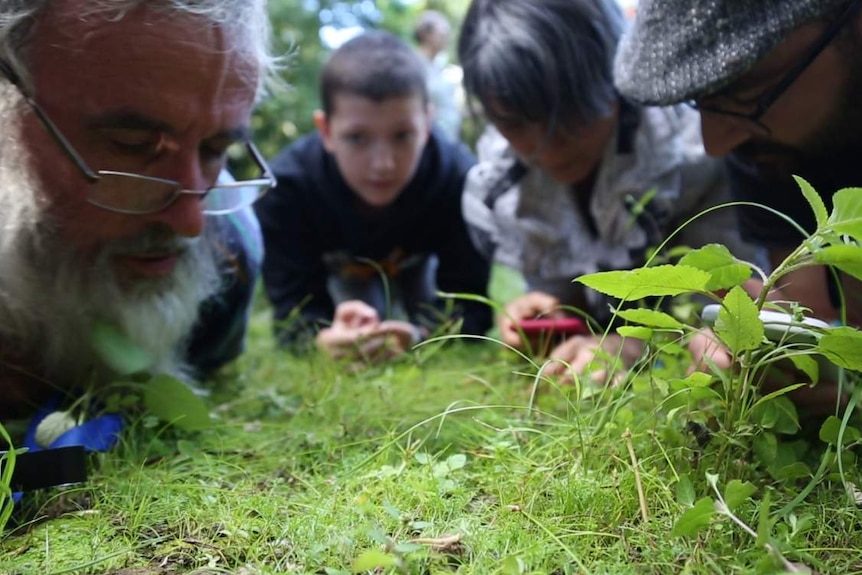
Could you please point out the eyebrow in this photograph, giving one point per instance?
(130, 120)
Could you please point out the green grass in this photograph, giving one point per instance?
(455, 460)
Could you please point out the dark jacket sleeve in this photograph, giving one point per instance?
(294, 275)
(219, 334)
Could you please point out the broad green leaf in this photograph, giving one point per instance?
(765, 447)
(665, 280)
(725, 270)
(807, 365)
(831, 429)
(842, 345)
(788, 418)
(695, 519)
(814, 200)
(695, 379)
(174, 402)
(792, 472)
(684, 491)
(846, 216)
(635, 331)
(456, 461)
(651, 318)
(372, 560)
(116, 350)
(736, 492)
(738, 324)
(846, 257)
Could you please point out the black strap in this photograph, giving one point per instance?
(49, 468)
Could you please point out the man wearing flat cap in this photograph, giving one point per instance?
(779, 87)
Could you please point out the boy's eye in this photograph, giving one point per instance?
(355, 139)
(404, 136)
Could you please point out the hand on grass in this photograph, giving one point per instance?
(824, 398)
(528, 306)
(594, 355)
(358, 335)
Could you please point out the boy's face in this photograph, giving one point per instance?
(377, 145)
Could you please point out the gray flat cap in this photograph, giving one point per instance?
(677, 50)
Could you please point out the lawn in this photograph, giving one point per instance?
(457, 459)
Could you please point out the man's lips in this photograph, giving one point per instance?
(149, 265)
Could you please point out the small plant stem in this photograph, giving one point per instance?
(627, 437)
(788, 566)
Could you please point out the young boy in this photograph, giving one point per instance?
(367, 212)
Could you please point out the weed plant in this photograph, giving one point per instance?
(462, 458)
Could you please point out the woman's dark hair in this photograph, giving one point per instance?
(545, 61)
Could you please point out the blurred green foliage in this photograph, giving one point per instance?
(296, 24)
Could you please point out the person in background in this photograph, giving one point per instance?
(432, 34)
(367, 214)
(573, 178)
(118, 116)
(778, 86)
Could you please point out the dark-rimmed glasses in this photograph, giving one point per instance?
(765, 101)
(130, 193)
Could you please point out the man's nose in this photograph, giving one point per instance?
(185, 215)
(722, 135)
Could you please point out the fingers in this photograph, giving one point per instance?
(706, 348)
(527, 306)
(597, 356)
(371, 344)
(355, 314)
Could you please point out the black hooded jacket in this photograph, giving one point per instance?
(312, 211)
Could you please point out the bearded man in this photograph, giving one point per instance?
(118, 228)
(778, 85)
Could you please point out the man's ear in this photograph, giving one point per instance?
(322, 125)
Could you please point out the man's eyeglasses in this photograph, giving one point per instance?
(766, 100)
(130, 193)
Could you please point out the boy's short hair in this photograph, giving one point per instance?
(376, 65)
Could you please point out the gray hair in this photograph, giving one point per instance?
(246, 18)
(546, 61)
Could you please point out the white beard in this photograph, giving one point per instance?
(51, 297)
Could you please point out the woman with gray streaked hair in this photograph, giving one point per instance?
(567, 164)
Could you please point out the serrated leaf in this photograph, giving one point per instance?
(665, 280)
(174, 402)
(651, 318)
(738, 324)
(118, 351)
(725, 270)
(814, 200)
(841, 346)
(736, 492)
(846, 257)
(695, 519)
(373, 559)
(846, 216)
(635, 331)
